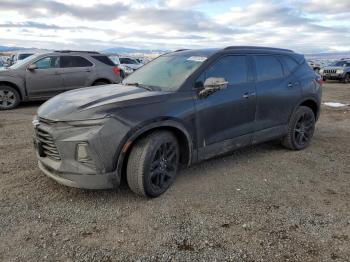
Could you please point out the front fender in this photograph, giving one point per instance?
(17, 81)
(144, 127)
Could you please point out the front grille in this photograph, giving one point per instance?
(330, 71)
(46, 121)
(47, 144)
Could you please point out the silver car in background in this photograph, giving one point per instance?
(42, 76)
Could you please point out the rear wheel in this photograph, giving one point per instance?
(346, 78)
(300, 129)
(100, 83)
(153, 164)
(9, 98)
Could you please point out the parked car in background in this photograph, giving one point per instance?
(181, 108)
(42, 76)
(143, 60)
(314, 65)
(340, 70)
(18, 57)
(127, 64)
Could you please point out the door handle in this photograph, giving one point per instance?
(290, 85)
(87, 70)
(247, 95)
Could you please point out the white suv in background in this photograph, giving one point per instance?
(127, 64)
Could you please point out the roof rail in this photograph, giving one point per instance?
(183, 49)
(76, 51)
(258, 48)
(345, 58)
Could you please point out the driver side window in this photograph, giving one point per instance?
(232, 68)
(48, 62)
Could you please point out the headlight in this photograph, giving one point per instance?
(90, 122)
(321, 71)
(340, 71)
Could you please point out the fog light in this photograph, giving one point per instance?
(82, 152)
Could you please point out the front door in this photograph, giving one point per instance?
(225, 119)
(46, 80)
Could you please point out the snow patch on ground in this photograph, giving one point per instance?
(335, 104)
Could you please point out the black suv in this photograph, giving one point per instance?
(181, 108)
(41, 76)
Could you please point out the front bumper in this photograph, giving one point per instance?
(104, 181)
(333, 76)
(61, 164)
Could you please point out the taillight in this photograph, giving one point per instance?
(319, 80)
(116, 70)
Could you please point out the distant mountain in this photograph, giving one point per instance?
(10, 48)
(125, 50)
(329, 55)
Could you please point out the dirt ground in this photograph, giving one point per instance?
(262, 203)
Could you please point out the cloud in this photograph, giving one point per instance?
(327, 6)
(185, 3)
(102, 12)
(297, 24)
(179, 20)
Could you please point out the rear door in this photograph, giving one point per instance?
(225, 119)
(46, 80)
(277, 91)
(77, 71)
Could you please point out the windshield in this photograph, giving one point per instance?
(342, 63)
(23, 56)
(19, 63)
(166, 73)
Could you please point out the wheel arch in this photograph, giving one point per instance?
(312, 104)
(13, 85)
(180, 132)
(102, 79)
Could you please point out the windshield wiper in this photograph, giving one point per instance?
(139, 85)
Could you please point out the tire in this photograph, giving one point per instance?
(100, 83)
(122, 74)
(9, 98)
(153, 164)
(301, 128)
(346, 79)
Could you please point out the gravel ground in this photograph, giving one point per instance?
(262, 203)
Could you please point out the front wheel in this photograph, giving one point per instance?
(153, 164)
(301, 128)
(9, 98)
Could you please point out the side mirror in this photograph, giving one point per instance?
(32, 67)
(213, 84)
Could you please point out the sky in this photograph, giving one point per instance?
(308, 26)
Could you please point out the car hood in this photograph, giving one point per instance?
(96, 102)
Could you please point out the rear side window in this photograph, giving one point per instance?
(74, 61)
(290, 63)
(232, 68)
(104, 59)
(268, 67)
